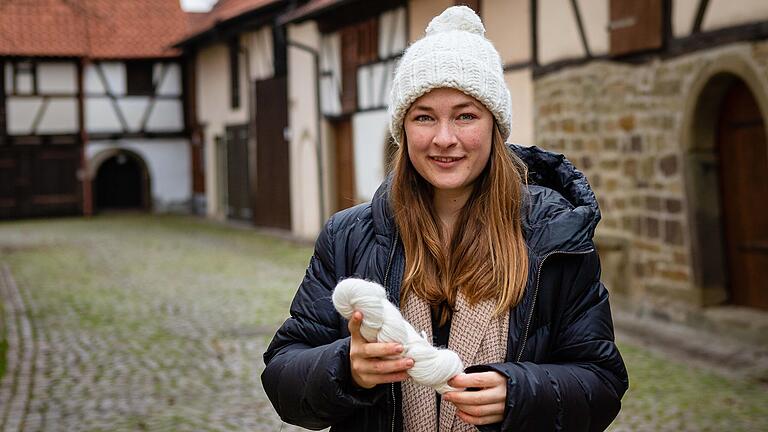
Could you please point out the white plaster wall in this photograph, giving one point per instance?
(60, 117)
(330, 82)
(92, 81)
(133, 109)
(167, 116)
(100, 116)
(214, 113)
(595, 18)
(24, 83)
(169, 165)
(728, 13)
(508, 26)
(559, 37)
(21, 114)
(114, 72)
(260, 52)
(393, 32)
(683, 16)
(520, 84)
(306, 215)
(58, 77)
(374, 82)
(170, 73)
(370, 132)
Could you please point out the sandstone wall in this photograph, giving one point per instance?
(624, 125)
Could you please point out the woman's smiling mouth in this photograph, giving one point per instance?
(446, 161)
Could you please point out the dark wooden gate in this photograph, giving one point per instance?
(743, 155)
(272, 198)
(39, 180)
(345, 164)
(238, 180)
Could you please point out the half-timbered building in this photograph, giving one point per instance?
(663, 105)
(237, 68)
(91, 107)
(341, 59)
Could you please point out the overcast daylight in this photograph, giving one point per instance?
(384, 215)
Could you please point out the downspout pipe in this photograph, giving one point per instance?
(318, 148)
(84, 173)
(251, 113)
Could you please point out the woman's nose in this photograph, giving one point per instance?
(445, 135)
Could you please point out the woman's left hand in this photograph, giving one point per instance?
(483, 406)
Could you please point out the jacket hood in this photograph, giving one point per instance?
(560, 210)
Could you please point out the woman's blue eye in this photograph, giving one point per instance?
(466, 116)
(422, 117)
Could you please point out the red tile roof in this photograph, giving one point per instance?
(91, 28)
(222, 11)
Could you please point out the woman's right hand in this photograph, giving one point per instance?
(373, 363)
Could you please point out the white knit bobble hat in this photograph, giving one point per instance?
(454, 53)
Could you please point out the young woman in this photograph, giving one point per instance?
(486, 246)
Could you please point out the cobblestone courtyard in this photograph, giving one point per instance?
(159, 323)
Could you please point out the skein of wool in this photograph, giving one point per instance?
(383, 322)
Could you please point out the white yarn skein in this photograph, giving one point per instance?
(383, 322)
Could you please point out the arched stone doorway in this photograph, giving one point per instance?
(727, 162)
(121, 182)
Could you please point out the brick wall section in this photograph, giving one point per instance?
(621, 125)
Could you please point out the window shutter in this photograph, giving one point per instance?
(368, 46)
(359, 45)
(138, 76)
(349, 51)
(635, 26)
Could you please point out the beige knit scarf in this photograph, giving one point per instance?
(477, 336)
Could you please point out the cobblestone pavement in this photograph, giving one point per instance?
(125, 325)
(131, 323)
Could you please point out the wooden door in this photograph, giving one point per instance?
(238, 182)
(743, 156)
(272, 207)
(9, 178)
(39, 180)
(345, 164)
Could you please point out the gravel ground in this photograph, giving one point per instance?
(159, 323)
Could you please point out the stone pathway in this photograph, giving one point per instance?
(62, 380)
(22, 366)
(132, 359)
(159, 324)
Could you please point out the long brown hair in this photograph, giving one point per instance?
(487, 257)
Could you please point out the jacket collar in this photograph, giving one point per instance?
(560, 210)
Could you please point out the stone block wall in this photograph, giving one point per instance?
(623, 126)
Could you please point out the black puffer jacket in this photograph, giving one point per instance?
(564, 370)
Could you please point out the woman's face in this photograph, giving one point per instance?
(449, 138)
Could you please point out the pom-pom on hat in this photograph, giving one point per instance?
(454, 53)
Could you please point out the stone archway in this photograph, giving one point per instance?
(120, 181)
(710, 240)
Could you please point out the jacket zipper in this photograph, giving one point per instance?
(536, 294)
(386, 281)
(389, 261)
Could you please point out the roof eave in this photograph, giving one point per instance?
(298, 15)
(250, 19)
